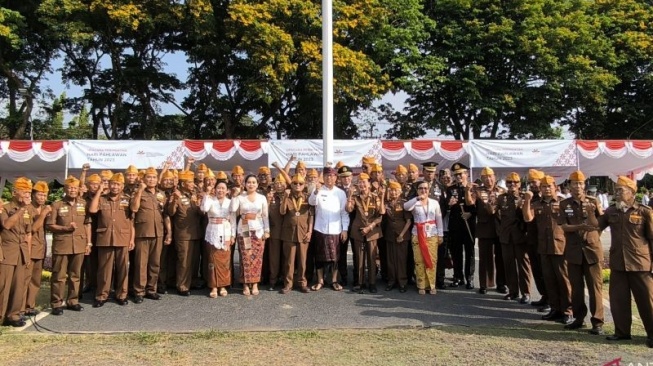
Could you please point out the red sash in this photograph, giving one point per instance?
(421, 240)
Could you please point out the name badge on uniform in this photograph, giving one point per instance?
(124, 203)
(63, 210)
(555, 207)
(635, 219)
(185, 201)
(569, 211)
(81, 209)
(26, 215)
(160, 197)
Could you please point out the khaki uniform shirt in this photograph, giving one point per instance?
(581, 243)
(14, 241)
(114, 221)
(148, 220)
(274, 214)
(186, 218)
(550, 236)
(64, 212)
(395, 219)
(631, 248)
(367, 212)
(294, 226)
(511, 224)
(486, 220)
(38, 240)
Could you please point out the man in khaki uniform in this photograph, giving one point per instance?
(115, 238)
(71, 229)
(93, 184)
(168, 261)
(147, 205)
(631, 260)
(534, 178)
(584, 253)
(186, 215)
(16, 220)
(33, 276)
(345, 183)
(545, 212)
(297, 227)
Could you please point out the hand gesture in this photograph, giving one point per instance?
(318, 186)
(190, 160)
(132, 245)
(167, 164)
(177, 194)
(292, 157)
(87, 251)
(466, 215)
(365, 230)
(168, 239)
(142, 186)
(72, 226)
(381, 190)
(400, 238)
(46, 210)
(528, 195)
(86, 167)
(453, 201)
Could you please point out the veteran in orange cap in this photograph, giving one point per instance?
(115, 238)
(37, 253)
(534, 177)
(397, 222)
(345, 182)
(17, 218)
(631, 260)
(71, 229)
(237, 181)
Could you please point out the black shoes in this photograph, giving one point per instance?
(623, 338)
(568, 320)
(31, 312)
(138, 299)
(76, 307)
(525, 299)
(153, 296)
(15, 323)
(553, 315)
(161, 290)
(455, 283)
(122, 302)
(441, 286)
(57, 311)
(470, 285)
(502, 289)
(99, 303)
(389, 287)
(575, 325)
(596, 330)
(373, 289)
(511, 297)
(183, 293)
(402, 289)
(482, 291)
(544, 309)
(540, 302)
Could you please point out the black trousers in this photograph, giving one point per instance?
(460, 241)
(442, 260)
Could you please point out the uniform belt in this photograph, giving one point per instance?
(427, 222)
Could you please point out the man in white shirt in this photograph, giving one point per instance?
(330, 228)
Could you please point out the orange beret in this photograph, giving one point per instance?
(209, 174)
(577, 176)
(175, 173)
(264, 170)
(42, 186)
(168, 175)
(400, 170)
(547, 180)
(394, 185)
(131, 169)
(237, 170)
(151, 171)
(369, 160)
(297, 178)
(514, 177)
(221, 176)
(72, 181)
(202, 168)
(312, 173)
(363, 176)
(412, 168)
(487, 171)
(118, 177)
(340, 164)
(93, 178)
(280, 179)
(300, 165)
(627, 182)
(106, 174)
(534, 175)
(376, 168)
(23, 184)
(141, 173)
(186, 175)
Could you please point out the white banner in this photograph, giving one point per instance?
(119, 154)
(310, 151)
(523, 153)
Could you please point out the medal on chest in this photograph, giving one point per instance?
(297, 204)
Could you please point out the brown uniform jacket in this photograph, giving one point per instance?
(274, 214)
(365, 217)
(486, 219)
(631, 248)
(63, 213)
(531, 227)
(294, 227)
(148, 220)
(186, 218)
(511, 224)
(550, 236)
(115, 223)
(15, 248)
(38, 240)
(579, 243)
(395, 219)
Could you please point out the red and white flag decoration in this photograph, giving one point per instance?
(22, 151)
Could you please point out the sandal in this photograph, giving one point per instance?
(317, 287)
(421, 291)
(336, 286)
(223, 292)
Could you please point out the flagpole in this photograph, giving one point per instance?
(327, 81)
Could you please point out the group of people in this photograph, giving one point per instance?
(144, 232)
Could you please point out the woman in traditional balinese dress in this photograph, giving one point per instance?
(427, 235)
(218, 239)
(252, 230)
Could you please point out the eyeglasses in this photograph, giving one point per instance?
(423, 188)
(511, 182)
(297, 184)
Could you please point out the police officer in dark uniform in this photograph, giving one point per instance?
(345, 183)
(462, 225)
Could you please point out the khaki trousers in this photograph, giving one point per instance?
(32, 283)
(147, 259)
(367, 252)
(518, 268)
(66, 268)
(12, 291)
(396, 262)
(590, 273)
(640, 284)
(294, 252)
(274, 250)
(188, 261)
(556, 280)
(108, 258)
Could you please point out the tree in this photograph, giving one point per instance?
(513, 68)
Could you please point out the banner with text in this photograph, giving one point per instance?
(310, 151)
(523, 153)
(119, 154)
